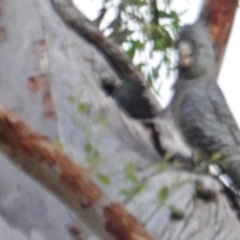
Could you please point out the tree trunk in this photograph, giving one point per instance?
(52, 78)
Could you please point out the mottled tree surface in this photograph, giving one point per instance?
(52, 78)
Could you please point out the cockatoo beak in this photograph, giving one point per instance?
(185, 54)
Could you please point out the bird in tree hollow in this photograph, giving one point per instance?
(198, 106)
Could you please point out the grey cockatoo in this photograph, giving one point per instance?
(198, 106)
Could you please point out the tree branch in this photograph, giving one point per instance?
(134, 94)
(219, 16)
(123, 67)
(67, 180)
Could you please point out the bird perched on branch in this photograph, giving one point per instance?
(198, 107)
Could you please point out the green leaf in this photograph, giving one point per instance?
(163, 195)
(216, 156)
(130, 172)
(146, 29)
(130, 193)
(83, 107)
(93, 156)
(71, 98)
(88, 147)
(59, 144)
(135, 46)
(167, 156)
(129, 167)
(104, 179)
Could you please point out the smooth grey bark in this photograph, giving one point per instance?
(51, 78)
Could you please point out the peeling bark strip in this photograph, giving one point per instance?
(113, 213)
(66, 179)
(23, 142)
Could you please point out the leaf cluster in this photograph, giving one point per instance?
(145, 29)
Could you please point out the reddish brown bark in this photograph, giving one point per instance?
(219, 15)
(113, 213)
(23, 143)
(66, 179)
